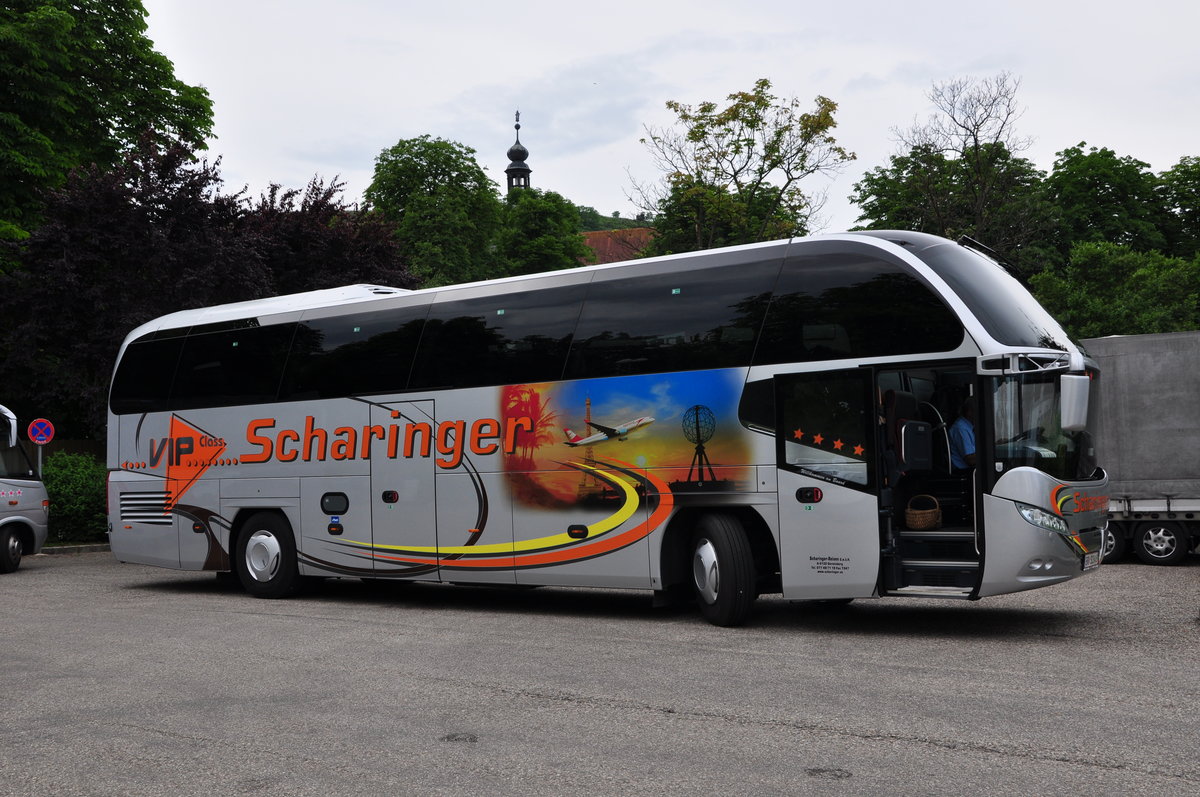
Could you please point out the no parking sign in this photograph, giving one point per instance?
(41, 431)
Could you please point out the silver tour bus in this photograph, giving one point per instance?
(775, 418)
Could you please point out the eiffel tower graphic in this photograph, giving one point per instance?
(589, 485)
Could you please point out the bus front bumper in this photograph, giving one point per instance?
(1021, 555)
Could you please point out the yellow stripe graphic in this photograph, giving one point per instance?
(607, 524)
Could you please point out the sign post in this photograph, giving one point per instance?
(41, 431)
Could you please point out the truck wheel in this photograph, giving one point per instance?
(1160, 543)
(266, 557)
(10, 550)
(1115, 545)
(723, 570)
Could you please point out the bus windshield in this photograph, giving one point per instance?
(1028, 428)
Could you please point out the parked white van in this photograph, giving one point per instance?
(24, 506)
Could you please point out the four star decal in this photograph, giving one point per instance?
(839, 444)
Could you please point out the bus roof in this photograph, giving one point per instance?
(353, 294)
(328, 297)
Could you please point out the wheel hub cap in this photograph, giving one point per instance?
(705, 571)
(1160, 542)
(262, 556)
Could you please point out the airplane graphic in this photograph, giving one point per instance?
(605, 433)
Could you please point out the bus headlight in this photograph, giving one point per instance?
(1042, 519)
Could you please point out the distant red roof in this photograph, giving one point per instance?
(612, 246)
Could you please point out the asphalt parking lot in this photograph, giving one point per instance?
(129, 680)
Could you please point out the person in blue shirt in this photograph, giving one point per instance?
(962, 438)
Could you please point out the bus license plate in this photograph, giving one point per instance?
(1091, 560)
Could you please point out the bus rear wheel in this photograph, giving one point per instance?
(1160, 543)
(723, 574)
(266, 557)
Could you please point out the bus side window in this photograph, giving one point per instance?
(14, 462)
(847, 305)
(143, 379)
(676, 321)
(498, 339)
(353, 354)
(236, 366)
(756, 409)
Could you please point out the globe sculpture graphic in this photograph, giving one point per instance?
(699, 423)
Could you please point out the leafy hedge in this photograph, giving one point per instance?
(75, 484)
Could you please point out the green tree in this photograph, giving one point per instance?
(591, 220)
(931, 192)
(917, 191)
(444, 209)
(539, 232)
(157, 234)
(1102, 197)
(1181, 196)
(701, 216)
(961, 174)
(117, 248)
(81, 84)
(310, 239)
(733, 174)
(1111, 289)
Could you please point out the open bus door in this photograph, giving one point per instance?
(856, 450)
(829, 502)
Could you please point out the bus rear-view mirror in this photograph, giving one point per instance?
(1074, 402)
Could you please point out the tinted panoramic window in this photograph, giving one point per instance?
(142, 382)
(682, 321)
(238, 366)
(852, 305)
(353, 354)
(507, 339)
(1007, 311)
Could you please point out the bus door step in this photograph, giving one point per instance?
(941, 573)
(945, 545)
(956, 593)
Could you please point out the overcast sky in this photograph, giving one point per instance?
(308, 87)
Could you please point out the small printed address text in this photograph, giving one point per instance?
(831, 565)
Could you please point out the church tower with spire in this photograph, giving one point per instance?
(518, 170)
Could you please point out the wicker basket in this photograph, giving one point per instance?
(923, 512)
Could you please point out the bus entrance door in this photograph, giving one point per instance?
(828, 498)
(402, 492)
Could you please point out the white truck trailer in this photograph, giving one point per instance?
(1149, 442)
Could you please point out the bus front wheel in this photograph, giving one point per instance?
(10, 550)
(723, 570)
(266, 557)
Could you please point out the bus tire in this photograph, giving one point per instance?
(266, 557)
(10, 550)
(723, 570)
(1160, 543)
(1115, 545)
